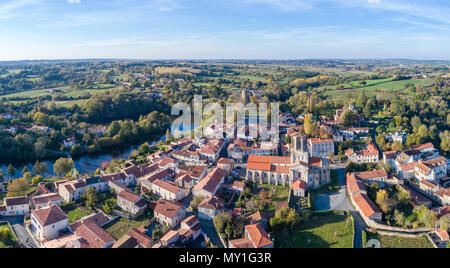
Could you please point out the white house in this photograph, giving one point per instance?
(15, 206)
(46, 223)
(321, 148)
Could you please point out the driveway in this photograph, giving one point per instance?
(22, 234)
(341, 201)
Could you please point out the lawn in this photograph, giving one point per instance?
(77, 214)
(330, 231)
(11, 241)
(119, 228)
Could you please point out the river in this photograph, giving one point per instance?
(85, 164)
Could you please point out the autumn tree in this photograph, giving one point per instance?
(18, 187)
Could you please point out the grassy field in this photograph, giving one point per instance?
(68, 104)
(119, 228)
(67, 91)
(331, 231)
(252, 77)
(11, 241)
(382, 87)
(77, 214)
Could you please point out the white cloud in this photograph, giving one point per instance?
(11, 8)
(287, 5)
(74, 1)
(374, 1)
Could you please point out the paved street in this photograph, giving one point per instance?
(21, 231)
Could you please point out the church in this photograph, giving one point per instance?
(276, 170)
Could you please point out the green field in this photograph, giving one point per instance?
(68, 104)
(119, 228)
(332, 231)
(382, 87)
(67, 91)
(252, 77)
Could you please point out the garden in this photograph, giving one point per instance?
(397, 208)
(120, 227)
(262, 197)
(388, 241)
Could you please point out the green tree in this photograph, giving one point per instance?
(41, 119)
(5, 233)
(423, 131)
(62, 166)
(362, 100)
(144, 149)
(90, 196)
(11, 170)
(37, 179)
(114, 128)
(157, 233)
(348, 118)
(25, 170)
(40, 167)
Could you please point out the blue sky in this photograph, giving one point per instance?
(225, 29)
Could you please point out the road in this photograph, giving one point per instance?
(341, 201)
(24, 238)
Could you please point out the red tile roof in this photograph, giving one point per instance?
(422, 146)
(314, 141)
(129, 196)
(95, 236)
(241, 243)
(354, 185)
(367, 175)
(213, 203)
(16, 201)
(167, 208)
(45, 198)
(299, 184)
(143, 239)
(49, 215)
(211, 181)
(258, 235)
(443, 234)
(168, 186)
(366, 205)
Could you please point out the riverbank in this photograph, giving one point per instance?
(86, 164)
